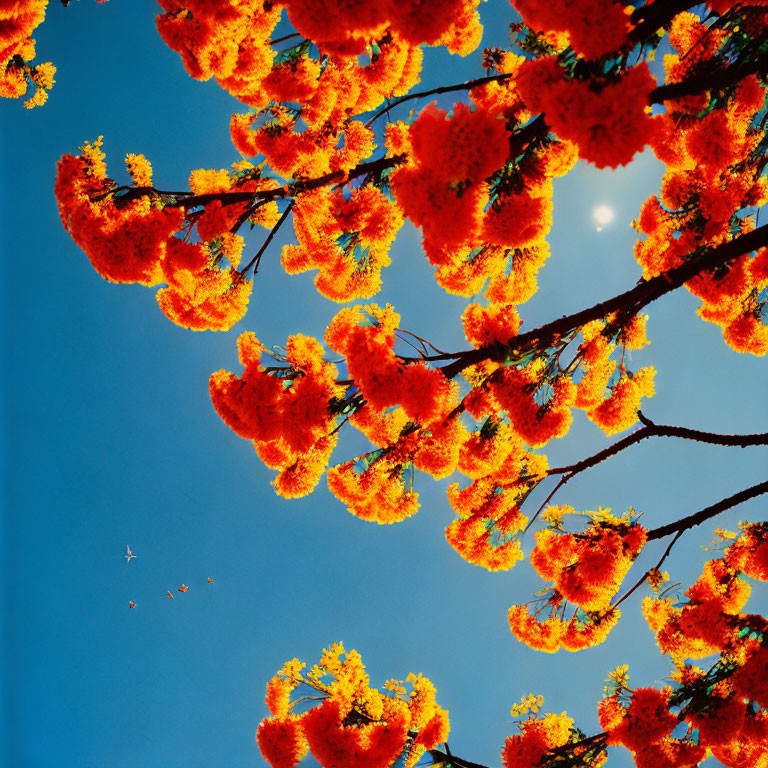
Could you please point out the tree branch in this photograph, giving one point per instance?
(630, 302)
(659, 430)
(465, 86)
(711, 78)
(683, 525)
(256, 260)
(284, 38)
(652, 16)
(655, 16)
(709, 512)
(289, 190)
(560, 483)
(656, 567)
(442, 757)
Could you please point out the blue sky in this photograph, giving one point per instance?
(110, 439)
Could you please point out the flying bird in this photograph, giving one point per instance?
(129, 556)
(183, 588)
(169, 593)
(131, 604)
(210, 580)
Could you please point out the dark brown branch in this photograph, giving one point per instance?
(588, 741)
(254, 262)
(292, 189)
(656, 567)
(132, 193)
(659, 430)
(284, 38)
(560, 483)
(709, 512)
(710, 79)
(652, 16)
(456, 762)
(465, 86)
(679, 527)
(629, 302)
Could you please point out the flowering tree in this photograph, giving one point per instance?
(478, 182)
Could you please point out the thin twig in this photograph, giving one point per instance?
(254, 262)
(465, 86)
(411, 344)
(423, 341)
(642, 579)
(284, 38)
(245, 215)
(560, 483)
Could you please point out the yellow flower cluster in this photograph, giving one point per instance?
(617, 680)
(529, 703)
(354, 724)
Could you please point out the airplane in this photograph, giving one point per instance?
(169, 593)
(183, 588)
(131, 604)
(210, 580)
(128, 557)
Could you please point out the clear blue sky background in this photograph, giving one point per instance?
(110, 439)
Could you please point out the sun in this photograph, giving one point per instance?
(602, 215)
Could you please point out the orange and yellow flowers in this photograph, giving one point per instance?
(354, 724)
(609, 124)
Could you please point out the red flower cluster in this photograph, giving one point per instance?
(343, 28)
(347, 240)
(645, 728)
(587, 568)
(608, 124)
(713, 172)
(368, 345)
(441, 190)
(283, 410)
(130, 234)
(502, 472)
(594, 27)
(708, 622)
(354, 724)
(227, 39)
(124, 243)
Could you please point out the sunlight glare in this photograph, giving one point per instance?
(602, 215)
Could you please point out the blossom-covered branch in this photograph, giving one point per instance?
(628, 303)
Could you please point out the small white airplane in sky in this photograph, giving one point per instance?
(129, 556)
